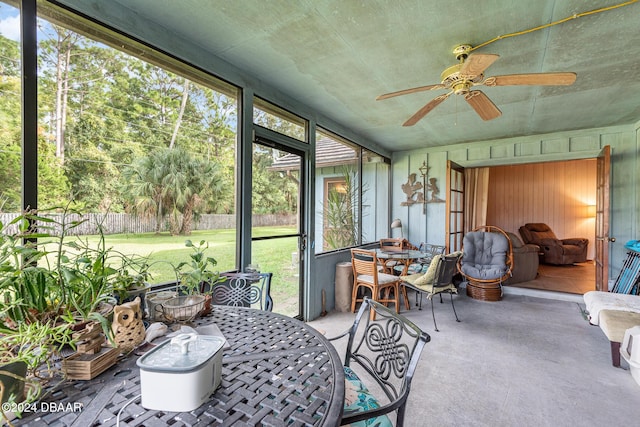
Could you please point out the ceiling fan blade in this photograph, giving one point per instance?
(545, 79)
(408, 91)
(480, 102)
(426, 109)
(476, 63)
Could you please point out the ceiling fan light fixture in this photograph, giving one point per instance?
(460, 78)
(461, 87)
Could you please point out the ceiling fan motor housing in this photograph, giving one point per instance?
(460, 84)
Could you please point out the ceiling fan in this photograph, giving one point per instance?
(460, 78)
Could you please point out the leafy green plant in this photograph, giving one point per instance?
(340, 213)
(37, 344)
(51, 280)
(195, 274)
(27, 291)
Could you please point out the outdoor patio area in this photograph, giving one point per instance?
(524, 361)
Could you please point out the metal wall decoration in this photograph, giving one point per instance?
(412, 188)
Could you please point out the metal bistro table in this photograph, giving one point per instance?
(404, 257)
(276, 371)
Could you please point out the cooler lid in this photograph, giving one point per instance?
(183, 353)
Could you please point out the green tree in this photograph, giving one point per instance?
(9, 57)
(143, 187)
(187, 183)
(10, 132)
(274, 192)
(91, 168)
(101, 110)
(174, 184)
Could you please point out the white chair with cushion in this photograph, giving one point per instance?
(437, 280)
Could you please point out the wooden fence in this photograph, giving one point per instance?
(117, 223)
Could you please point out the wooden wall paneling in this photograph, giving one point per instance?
(556, 193)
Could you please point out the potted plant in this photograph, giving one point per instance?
(26, 361)
(50, 282)
(26, 358)
(198, 276)
(132, 279)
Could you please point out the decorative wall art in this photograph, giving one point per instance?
(412, 188)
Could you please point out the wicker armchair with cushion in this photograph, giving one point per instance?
(554, 250)
(486, 262)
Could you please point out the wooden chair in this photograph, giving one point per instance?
(391, 245)
(366, 275)
(384, 354)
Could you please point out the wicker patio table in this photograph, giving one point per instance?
(276, 371)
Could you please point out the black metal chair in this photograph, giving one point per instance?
(386, 352)
(244, 290)
(438, 279)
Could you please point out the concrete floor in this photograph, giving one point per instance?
(528, 360)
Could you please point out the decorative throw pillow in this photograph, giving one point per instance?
(359, 399)
(428, 277)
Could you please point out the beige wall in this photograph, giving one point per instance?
(556, 193)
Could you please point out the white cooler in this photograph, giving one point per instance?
(179, 375)
(630, 351)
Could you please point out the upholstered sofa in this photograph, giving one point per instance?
(525, 261)
(554, 250)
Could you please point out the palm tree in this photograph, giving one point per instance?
(173, 182)
(144, 186)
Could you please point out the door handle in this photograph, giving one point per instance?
(611, 239)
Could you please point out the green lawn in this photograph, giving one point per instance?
(166, 251)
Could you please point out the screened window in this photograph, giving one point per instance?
(10, 113)
(349, 183)
(279, 120)
(140, 144)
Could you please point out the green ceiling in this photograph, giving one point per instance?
(336, 56)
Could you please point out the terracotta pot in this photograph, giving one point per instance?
(207, 305)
